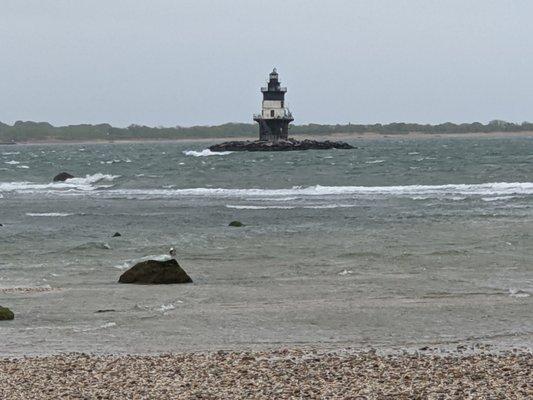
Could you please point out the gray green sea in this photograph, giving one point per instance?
(397, 243)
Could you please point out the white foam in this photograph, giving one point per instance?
(52, 214)
(498, 198)
(122, 266)
(346, 272)
(10, 153)
(513, 292)
(84, 184)
(322, 206)
(23, 166)
(375, 162)
(11, 162)
(167, 307)
(130, 263)
(206, 153)
(484, 189)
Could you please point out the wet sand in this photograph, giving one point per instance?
(281, 374)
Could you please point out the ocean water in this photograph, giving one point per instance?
(396, 243)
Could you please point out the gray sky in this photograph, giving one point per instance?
(159, 62)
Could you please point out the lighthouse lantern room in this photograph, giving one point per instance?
(275, 118)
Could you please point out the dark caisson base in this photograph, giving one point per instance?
(280, 145)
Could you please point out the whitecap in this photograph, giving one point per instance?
(346, 272)
(497, 198)
(375, 162)
(103, 326)
(11, 162)
(321, 206)
(10, 153)
(82, 184)
(23, 166)
(130, 263)
(484, 189)
(167, 307)
(122, 266)
(513, 292)
(205, 153)
(52, 214)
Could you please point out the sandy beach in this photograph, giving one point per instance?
(465, 373)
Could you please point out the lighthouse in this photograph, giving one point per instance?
(275, 118)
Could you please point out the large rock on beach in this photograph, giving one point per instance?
(155, 272)
(63, 176)
(6, 314)
(280, 145)
(236, 224)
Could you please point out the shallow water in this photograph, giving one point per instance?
(398, 242)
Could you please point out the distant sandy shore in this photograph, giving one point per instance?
(278, 374)
(334, 136)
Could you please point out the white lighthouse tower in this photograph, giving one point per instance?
(275, 118)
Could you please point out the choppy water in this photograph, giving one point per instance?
(395, 243)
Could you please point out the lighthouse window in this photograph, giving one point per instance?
(271, 113)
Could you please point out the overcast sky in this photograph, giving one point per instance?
(159, 62)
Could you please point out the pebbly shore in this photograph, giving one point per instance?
(278, 374)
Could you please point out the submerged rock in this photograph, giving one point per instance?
(63, 176)
(6, 314)
(117, 234)
(236, 224)
(155, 272)
(280, 145)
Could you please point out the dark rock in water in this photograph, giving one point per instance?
(116, 234)
(157, 272)
(1, 224)
(63, 176)
(6, 314)
(105, 310)
(236, 223)
(280, 145)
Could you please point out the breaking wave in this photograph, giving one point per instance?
(80, 184)
(325, 206)
(205, 153)
(52, 214)
(427, 191)
(97, 185)
(130, 263)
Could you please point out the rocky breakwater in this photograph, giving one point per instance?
(155, 272)
(280, 145)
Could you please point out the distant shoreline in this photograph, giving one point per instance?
(334, 136)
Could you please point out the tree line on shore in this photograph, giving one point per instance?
(25, 131)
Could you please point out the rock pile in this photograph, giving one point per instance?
(236, 224)
(63, 176)
(280, 145)
(155, 272)
(6, 314)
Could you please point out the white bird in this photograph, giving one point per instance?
(172, 253)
